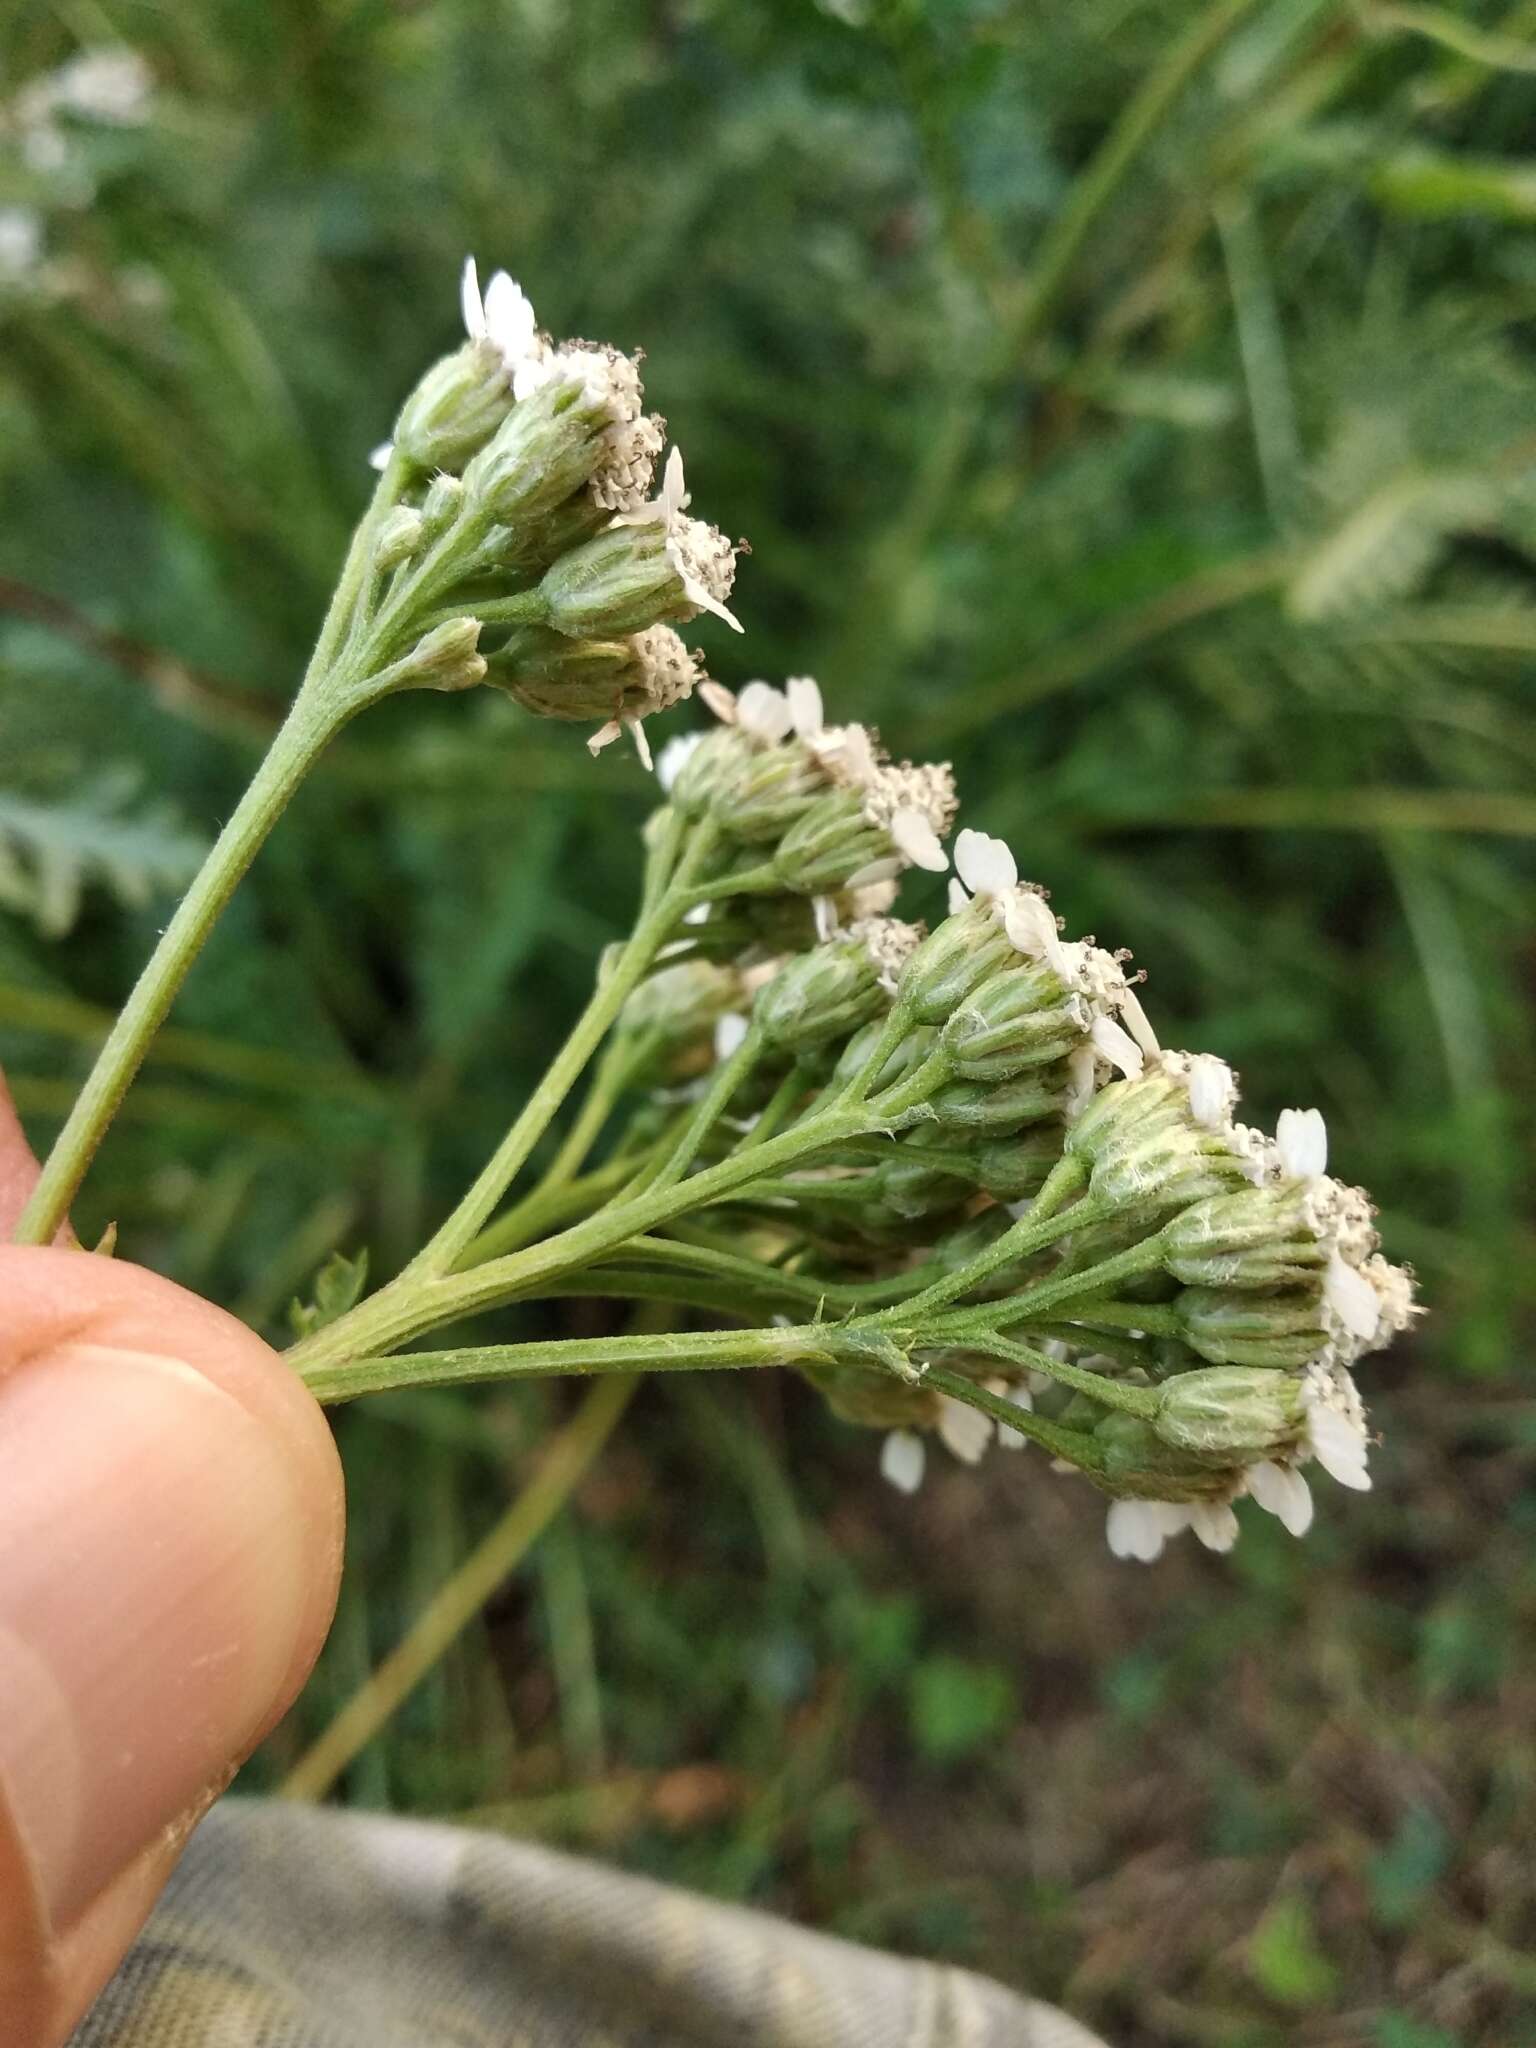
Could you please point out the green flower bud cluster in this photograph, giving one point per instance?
(521, 473)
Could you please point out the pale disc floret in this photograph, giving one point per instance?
(664, 673)
(915, 803)
(610, 384)
(1335, 1428)
(902, 1458)
(890, 943)
(963, 1430)
(701, 556)
(1340, 1218)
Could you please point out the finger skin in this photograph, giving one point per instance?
(71, 1322)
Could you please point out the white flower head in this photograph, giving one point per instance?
(902, 1458)
(1301, 1140)
(107, 85)
(914, 802)
(21, 242)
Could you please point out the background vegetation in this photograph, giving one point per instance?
(1134, 400)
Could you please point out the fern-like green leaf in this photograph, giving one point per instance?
(51, 851)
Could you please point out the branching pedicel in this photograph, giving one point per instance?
(950, 1177)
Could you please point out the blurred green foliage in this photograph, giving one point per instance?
(1186, 495)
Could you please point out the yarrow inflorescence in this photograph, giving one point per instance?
(949, 1174)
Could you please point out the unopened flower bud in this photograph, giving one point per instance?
(832, 845)
(454, 410)
(776, 786)
(1257, 1237)
(1001, 1107)
(1014, 1020)
(1280, 1330)
(400, 535)
(821, 995)
(1013, 1169)
(903, 1059)
(706, 777)
(542, 454)
(963, 953)
(619, 582)
(910, 1185)
(677, 1008)
(1231, 1415)
(1138, 1462)
(447, 658)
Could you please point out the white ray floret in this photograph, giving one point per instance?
(1301, 1139)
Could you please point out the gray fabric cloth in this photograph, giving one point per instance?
(287, 1927)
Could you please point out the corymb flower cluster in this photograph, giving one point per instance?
(534, 523)
(953, 1174)
(1049, 1208)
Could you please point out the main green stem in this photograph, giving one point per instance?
(305, 731)
(322, 706)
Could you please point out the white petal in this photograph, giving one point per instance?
(674, 757)
(805, 711)
(697, 594)
(1080, 1080)
(915, 839)
(509, 318)
(730, 1030)
(1029, 924)
(675, 497)
(1137, 1528)
(902, 1458)
(379, 458)
(964, 1430)
(604, 736)
(1351, 1297)
(1302, 1138)
(983, 863)
(1215, 1527)
(1116, 1045)
(1135, 1020)
(470, 301)
(1281, 1491)
(957, 897)
(763, 710)
(1212, 1091)
(1339, 1446)
(642, 744)
(717, 698)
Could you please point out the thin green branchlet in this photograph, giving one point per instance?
(948, 1176)
(511, 461)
